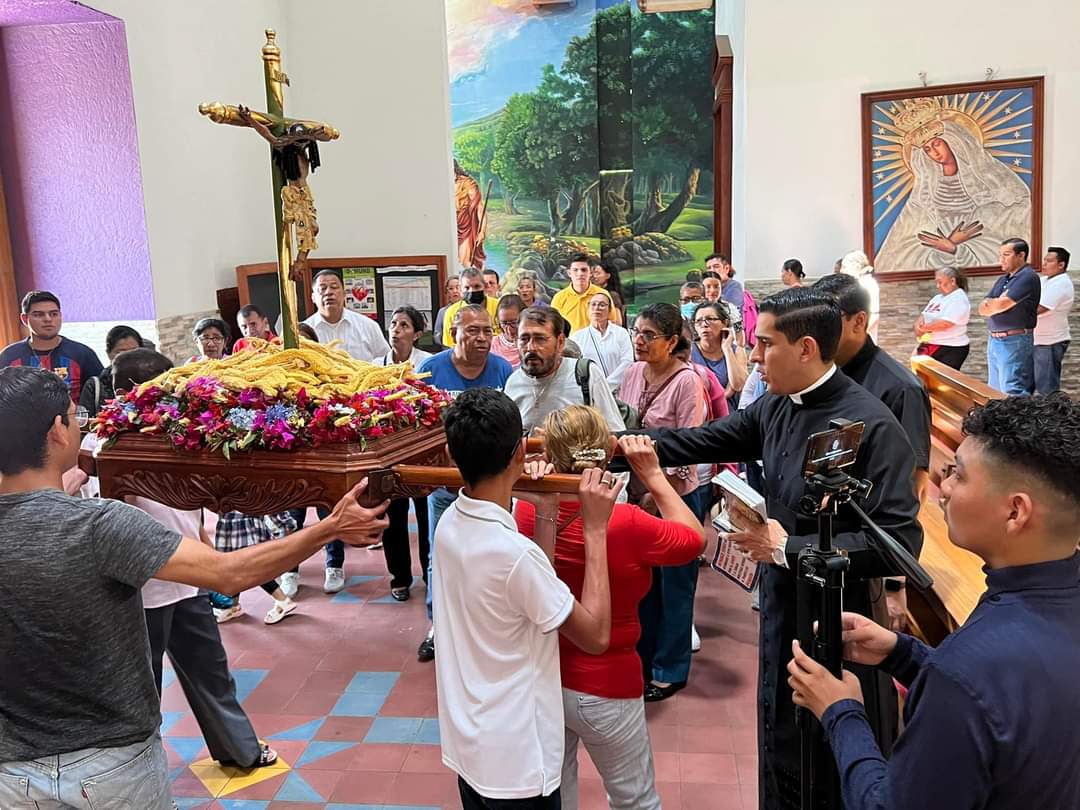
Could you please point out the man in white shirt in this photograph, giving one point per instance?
(605, 343)
(360, 336)
(496, 607)
(544, 383)
(1052, 330)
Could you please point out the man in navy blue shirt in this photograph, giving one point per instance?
(991, 713)
(1012, 311)
(70, 360)
(469, 364)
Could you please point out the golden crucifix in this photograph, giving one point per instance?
(293, 154)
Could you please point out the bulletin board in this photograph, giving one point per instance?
(374, 286)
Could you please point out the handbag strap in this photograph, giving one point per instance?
(649, 398)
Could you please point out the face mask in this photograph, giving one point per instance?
(475, 297)
(687, 310)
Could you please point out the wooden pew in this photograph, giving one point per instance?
(958, 577)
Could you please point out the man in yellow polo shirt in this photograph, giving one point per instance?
(573, 301)
(472, 292)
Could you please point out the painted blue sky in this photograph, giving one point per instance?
(514, 64)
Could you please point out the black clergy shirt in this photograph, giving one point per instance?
(894, 384)
(775, 429)
(991, 718)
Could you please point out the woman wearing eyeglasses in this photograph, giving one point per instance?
(667, 393)
(211, 336)
(504, 344)
(718, 350)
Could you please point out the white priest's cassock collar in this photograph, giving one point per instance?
(824, 378)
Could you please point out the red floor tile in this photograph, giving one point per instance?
(364, 787)
(344, 729)
(713, 769)
(378, 757)
(424, 789)
(424, 759)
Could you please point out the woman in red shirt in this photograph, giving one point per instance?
(602, 694)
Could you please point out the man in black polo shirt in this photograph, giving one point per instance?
(1012, 311)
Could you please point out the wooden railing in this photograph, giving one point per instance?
(958, 576)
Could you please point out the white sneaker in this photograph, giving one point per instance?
(335, 580)
(228, 614)
(290, 583)
(695, 640)
(279, 611)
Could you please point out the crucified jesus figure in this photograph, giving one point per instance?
(296, 153)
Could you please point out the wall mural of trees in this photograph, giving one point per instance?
(593, 128)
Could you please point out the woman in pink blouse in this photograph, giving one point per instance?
(667, 393)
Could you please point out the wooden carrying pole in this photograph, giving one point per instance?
(415, 475)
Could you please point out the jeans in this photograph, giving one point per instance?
(335, 549)
(1048, 367)
(133, 776)
(667, 614)
(437, 503)
(617, 739)
(471, 800)
(1009, 363)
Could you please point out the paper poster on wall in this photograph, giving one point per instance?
(360, 290)
(409, 268)
(407, 291)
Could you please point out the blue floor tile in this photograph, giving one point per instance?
(318, 749)
(394, 730)
(304, 732)
(243, 804)
(356, 580)
(168, 720)
(373, 683)
(296, 789)
(187, 747)
(429, 731)
(358, 704)
(247, 680)
(345, 596)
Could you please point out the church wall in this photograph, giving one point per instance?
(207, 187)
(71, 167)
(803, 67)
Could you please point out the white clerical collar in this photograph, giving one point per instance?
(824, 378)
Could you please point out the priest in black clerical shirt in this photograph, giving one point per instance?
(797, 335)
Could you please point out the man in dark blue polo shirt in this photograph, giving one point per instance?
(991, 712)
(1012, 310)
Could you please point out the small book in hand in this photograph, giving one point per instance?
(743, 508)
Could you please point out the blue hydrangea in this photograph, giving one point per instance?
(279, 413)
(241, 418)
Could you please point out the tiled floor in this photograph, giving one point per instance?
(338, 692)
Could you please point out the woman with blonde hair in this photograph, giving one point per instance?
(602, 693)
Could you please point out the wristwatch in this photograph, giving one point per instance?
(779, 557)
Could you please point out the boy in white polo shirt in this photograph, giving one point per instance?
(495, 610)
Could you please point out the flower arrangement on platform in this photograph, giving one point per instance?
(269, 398)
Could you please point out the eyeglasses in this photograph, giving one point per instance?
(538, 340)
(948, 472)
(210, 339)
(648, 337)
(706, 321)
(508, 326)
(697, 299)
(81, 416)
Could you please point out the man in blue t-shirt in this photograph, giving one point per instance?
(70, 360)
(470, 364)
(1012, 310)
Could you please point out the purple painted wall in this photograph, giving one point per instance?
(70, 160)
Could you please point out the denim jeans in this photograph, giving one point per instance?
(335, 549)
(437, 503)
(135, 776)
(1048, 367)
(617, 738)
(1010, 364)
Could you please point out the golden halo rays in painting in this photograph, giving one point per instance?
(949, 176)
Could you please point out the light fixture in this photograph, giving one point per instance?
(657, 6)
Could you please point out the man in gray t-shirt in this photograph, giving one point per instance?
(77, 682)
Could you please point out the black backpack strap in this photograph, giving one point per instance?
(581, 374)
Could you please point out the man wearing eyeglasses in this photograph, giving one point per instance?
(79, 711)
(46, 348)
(469, 364)
(544, 383)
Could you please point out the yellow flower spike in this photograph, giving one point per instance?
(341, 421)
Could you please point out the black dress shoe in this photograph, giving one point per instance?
(654, 693)
(426, 650)
(400, 594)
